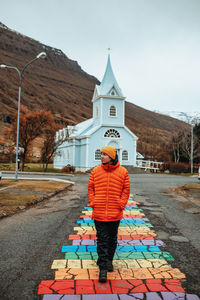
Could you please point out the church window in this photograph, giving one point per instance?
(67, 154)
(61, 134)
(124, 155)
(112, 93)
(98, 154)
(112, 111)
(96, 111)
(112, 133)
(59, 154)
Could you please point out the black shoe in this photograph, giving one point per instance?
(103, 276)
(110, 267)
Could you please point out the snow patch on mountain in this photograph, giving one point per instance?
(189, 117)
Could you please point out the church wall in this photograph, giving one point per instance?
(128, 144)
(125, 142)
(77, 154)
(82, 156)
(107, 119)
(96, 141)
(64, 155)
(96, 112)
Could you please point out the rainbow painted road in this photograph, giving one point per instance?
(142, 269)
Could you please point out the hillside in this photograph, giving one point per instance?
(60, 85)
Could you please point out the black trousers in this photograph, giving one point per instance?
(106, 241)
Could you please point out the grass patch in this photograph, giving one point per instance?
(21, 193)
(44, 186)
(29, 167)
(9, 203)
(191, 186)
(179, 174)
(6, 183)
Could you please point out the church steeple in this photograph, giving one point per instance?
(109, 80)
(108, 100)
(109, 85)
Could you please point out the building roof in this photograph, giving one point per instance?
(108, 81)
(80, 128)
(139, 155)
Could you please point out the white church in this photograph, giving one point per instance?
(106, 127)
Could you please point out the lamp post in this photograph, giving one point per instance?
(192, 143)
(20, 73)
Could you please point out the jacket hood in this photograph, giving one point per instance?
(115, 161)
(110, 167)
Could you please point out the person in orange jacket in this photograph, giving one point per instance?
(108, 193)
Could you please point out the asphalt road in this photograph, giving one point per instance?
(32, 239)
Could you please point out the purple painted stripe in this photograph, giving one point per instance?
(83, 242)
(192, 297)
(178, 296)
(100, 297)
(153, 296)
(121, 242)
(135, 296)
(173, 296)
(52, 297)
(63, 297)
(141, 242)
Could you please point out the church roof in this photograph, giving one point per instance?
(80, 128)
(108, 80)
(85, 128)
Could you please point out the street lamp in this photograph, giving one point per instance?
(192, 143)
(20, 73)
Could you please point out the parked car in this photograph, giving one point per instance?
(199, 173)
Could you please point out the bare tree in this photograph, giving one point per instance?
(31, 126)
(51, 143)
(175, 144)
(186, 145)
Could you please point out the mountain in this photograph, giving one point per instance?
(58, 84)
(189, 117)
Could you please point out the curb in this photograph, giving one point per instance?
(37, 173)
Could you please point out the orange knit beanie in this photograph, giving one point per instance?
(110, 151)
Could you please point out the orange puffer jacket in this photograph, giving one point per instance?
(108, 192)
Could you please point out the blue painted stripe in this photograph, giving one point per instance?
(82, 225)
(139, 221)
(92, 248)
(127, 208)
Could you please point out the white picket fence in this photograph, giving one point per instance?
(148, 164)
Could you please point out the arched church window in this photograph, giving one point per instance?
(97, 111)
(124, 155)
(98, 154)
(113, 93)
(112, 133)
(112, 111)
(67, 154)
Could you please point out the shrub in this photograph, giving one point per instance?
(68, 169)
(175, 167)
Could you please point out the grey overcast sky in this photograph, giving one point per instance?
(155, 44)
